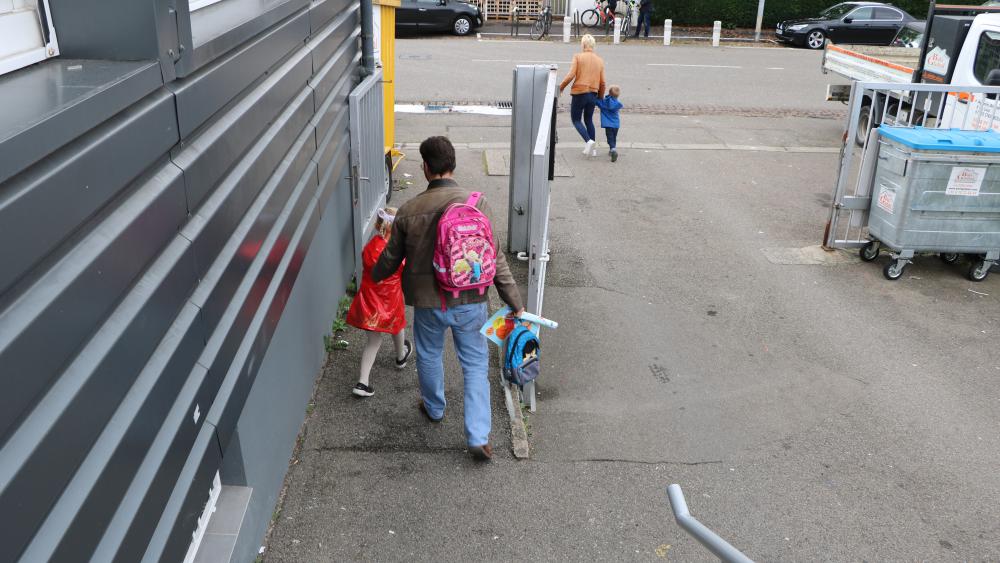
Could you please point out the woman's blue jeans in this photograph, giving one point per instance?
(581, 113)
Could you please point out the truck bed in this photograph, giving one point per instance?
(868, 63)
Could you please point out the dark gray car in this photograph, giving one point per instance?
(862, 23)
(452, 16)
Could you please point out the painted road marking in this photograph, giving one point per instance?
(775, 68)
(692, 66)
(520, 62)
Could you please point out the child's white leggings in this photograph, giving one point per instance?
(371, 351)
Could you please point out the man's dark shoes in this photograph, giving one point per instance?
(481, 453)
(400, 364)
(423, 410)
(362, 390)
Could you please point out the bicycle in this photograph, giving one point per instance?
(630, 6)
(543, 24)
(599, 14)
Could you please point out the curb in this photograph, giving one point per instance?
(512, 397)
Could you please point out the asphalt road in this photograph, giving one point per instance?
(811, 412)
(786, 79)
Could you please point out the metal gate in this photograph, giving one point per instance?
(934, 106)
(369, 180)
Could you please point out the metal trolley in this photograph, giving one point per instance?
(937, 191)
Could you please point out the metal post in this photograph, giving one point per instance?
(718, 546)
(919, 72)
(532, 168)
(667, 29)
(716, 33)
(567, 23)
(760, 20)
(367, 38)
(529, 83)
(541, 174)
(542, 168)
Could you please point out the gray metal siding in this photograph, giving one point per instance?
(74, 183)
(104, 90)
(149, 264)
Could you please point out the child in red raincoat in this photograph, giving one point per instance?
(378, 307)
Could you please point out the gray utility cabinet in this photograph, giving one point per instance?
(175, 231)
(936, 191)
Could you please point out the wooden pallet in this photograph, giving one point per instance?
(501, 9)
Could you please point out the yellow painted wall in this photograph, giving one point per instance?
(387, 45)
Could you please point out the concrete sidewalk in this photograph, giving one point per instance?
(372, 478)
(810, 409)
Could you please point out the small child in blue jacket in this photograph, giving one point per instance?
(609, 118)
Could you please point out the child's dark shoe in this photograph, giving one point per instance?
(362, 390)
(401, 363)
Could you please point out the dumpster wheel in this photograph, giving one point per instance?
(869, 252)
(894, 269)
(949, 257)
(979, 270)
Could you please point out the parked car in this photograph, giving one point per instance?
(452, 16)
(859, 23)
(911, 36)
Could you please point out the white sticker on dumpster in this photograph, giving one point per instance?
(886, 197)
(966, 180)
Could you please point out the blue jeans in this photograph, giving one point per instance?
(644, 18)
(612, 134)
(582, 108)
(429, 327)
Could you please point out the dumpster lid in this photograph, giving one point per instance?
(943, 139)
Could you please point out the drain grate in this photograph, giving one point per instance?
(505, 105)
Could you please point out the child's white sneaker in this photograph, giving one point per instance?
(588, 148)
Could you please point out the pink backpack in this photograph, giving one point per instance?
(464, 256)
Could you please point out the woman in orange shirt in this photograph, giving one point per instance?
(587, 75)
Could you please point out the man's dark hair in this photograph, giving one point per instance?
(439, 155)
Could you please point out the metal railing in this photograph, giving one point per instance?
(718, 546)
(934, 106)
(369, 182)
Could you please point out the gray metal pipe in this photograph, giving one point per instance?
(367, 38)
(718, 546)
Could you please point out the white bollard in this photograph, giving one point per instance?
(617, 23)
(667, 29)
(716, 33)
(567, 23)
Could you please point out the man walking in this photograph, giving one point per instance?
(645, 16)
(414, 234)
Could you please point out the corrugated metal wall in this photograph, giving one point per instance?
(147, 263)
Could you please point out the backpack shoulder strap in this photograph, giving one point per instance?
(473, 198)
